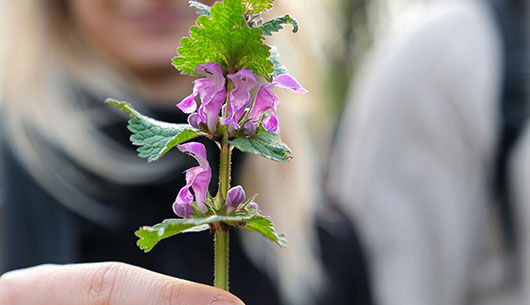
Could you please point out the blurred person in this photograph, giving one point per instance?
(74, 189)
(432, 158)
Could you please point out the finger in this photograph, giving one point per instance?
(104, 283)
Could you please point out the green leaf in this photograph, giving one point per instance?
(224, 38)
(264, 143)
(197, 229)
(279, 69)
(150, 236)
(264, 226)
(155, 138)
(201, 8)
(257, 6)
(276, 24)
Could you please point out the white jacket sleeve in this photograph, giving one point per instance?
(414, 156)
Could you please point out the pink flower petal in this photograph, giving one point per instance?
(239, 98)
(196, 150)
(287, 82)
(188, 105)
(271, 124)
(182, 205)
(266, 100)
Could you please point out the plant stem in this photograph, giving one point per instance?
(224, 172)
(221, 231)
(221, 240)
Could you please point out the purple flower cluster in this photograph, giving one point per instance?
(198, 178)
(238, 111)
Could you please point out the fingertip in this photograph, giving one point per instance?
(225, 298)
(189, 293)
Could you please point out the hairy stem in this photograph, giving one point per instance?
(221, 241)
(224, 172)
(221, 231)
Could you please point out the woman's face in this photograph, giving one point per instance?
(141, 34)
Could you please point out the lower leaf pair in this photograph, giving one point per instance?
(150, 236)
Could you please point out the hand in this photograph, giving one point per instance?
(104, 283)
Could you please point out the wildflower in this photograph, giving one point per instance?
(266, 100)
(239, 98)
(198, 178)
(212, 93)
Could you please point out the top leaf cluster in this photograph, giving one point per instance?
(225, 38)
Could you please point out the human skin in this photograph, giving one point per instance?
(139, 36)
(104, 283)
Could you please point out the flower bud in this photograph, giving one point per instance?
(193, 120)
(253, 206)
(250, 128)
(234, 198)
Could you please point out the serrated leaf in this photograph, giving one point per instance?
(150, 236)
(264, 226)
(279, 69)
(201, 8)
(154, 138)
(276, 24)
(226, 39)
(257, 6)
(264, 143)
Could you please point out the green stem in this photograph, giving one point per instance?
(221, 231)
(221, 240)
(224, 173)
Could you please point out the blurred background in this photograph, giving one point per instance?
(410, 152)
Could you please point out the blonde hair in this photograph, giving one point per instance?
(43, 63)
(42, 59)
(290, 192)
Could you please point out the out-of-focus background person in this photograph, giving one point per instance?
(431, 159)
(74, 190)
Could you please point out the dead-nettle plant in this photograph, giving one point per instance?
(226, 47)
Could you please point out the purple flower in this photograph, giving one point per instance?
(212, 93)
(198, 178)
(239, 98)
(266, 100)
(234, 198)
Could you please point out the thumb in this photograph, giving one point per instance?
(104, 283)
